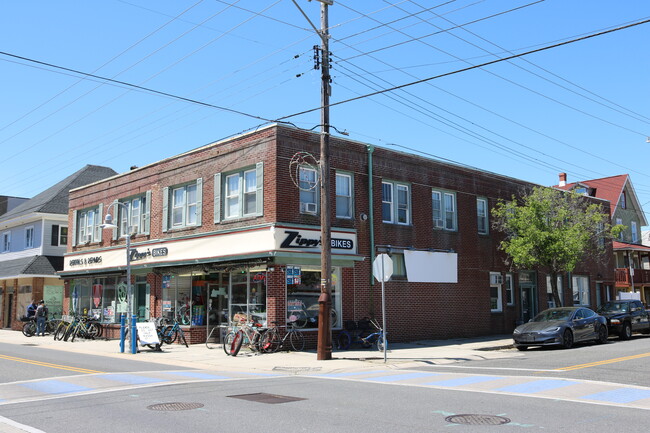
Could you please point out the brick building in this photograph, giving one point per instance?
(224, 230)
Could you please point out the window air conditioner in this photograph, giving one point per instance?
(308, 207)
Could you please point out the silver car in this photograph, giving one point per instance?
(562, 327)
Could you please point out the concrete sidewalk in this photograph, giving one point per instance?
(400, 355)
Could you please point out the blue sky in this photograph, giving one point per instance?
(579, 108)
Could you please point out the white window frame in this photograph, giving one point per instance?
(496, 282)
(580, 290)
(510, 289)
(88, 221)
(29, 237)
(187, 207)
(235, 199)
(344, 195)
(445, 216)
(635, 237)
(134, 214)
(61, 236)
(308, 179)
(482, 215)
(549, 291)
(399, 202)
(6, 242)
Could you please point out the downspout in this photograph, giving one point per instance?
(371, 223)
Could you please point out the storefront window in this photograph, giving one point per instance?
(23, 300)
(303, 291)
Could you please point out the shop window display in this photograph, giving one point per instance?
(303, 291)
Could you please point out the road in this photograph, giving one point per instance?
(44, 390)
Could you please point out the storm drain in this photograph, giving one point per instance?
(262, 397)
(477, 419)
(175, 406)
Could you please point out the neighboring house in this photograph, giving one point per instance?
(232, 229)
(7, 203)
(33, 238)
(632, 258)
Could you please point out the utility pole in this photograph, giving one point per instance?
(324, 349)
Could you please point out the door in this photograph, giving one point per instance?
(526, 308)
(141, 301)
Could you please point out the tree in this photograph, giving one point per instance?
(553, 230)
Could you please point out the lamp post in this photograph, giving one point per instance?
(108, 224)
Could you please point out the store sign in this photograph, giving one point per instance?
(95, 260)
(304, 239)
(136, 255)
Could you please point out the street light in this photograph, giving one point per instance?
(108, 224)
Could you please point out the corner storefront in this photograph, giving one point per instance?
(267, 273)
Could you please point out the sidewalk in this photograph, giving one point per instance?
(198, 356)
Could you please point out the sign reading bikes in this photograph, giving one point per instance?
(303, 239)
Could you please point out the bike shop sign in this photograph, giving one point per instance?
(310, 240)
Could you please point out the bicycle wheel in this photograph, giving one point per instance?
(233, 343)
(75, 331)
(297, 340)
(29, 329)
(59, 332)
(270, 341)
(170, 334)
(94, 330)
(344, 340)
(380, 343)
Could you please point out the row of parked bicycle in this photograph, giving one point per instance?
(256, 338)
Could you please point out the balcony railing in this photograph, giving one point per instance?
(641, 276)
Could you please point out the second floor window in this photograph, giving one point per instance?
(134, 215)
(444, 210)
(396, 203)
(635, 237)
(6, 242)
(308, 178)
(482, 215)
(59, 235)
(240, 194)
(88, 222)
(343, 195)
(182, 205)
(29, 237)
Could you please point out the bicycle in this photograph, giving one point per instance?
(29, 328)
(302, 315)
(173, 332)
(272, 340)
(355, 333)
(247, 333)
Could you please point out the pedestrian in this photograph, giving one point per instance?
(41, 317)
(31, 309)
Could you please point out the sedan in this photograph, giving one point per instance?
(561, 327)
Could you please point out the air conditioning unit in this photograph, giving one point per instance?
(308, 207)
(496, 279)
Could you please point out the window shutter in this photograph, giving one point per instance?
(99, 220)
(259, 195)
(165, 209)
(217, 198)
(73, 232)
(146, 214)
(55, 235)
(199, 201)
(116, 220)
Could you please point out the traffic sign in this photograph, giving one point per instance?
(382, 267)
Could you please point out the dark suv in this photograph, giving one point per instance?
(625, 317)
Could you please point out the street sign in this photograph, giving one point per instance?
(382, 267)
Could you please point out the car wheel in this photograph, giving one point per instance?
(626, 332)
(567, 339)
(602, 335)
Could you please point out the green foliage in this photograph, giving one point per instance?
(551, 229)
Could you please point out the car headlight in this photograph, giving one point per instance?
(551, 330)
(516, 331)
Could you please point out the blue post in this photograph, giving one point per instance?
(122, 331)
(134, 336)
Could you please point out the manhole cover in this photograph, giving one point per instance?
(175, 406)
(262, 397)
(477, 419)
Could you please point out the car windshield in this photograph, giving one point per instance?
(550, 315)
(614, 307)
